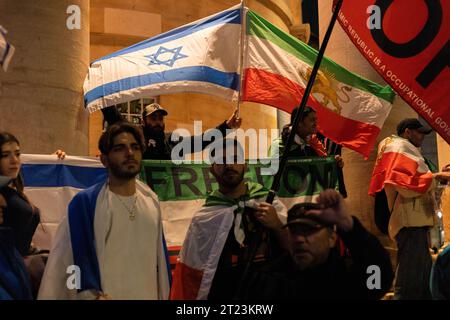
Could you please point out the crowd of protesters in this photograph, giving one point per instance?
(238, 246)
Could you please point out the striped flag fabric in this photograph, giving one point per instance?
(401, 164)
(6, 50)
(207, 233)
(50, 184)
(351, 110)
(202, 57)
(182, 189)
(206, 238)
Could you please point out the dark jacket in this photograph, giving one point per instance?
(312, 148)
(440, 276)
(159, 145)
(14, 279)
(336, 279)
(21, 217)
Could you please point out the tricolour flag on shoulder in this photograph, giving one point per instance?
(202, 57)
(400, 163)
(6, 50)
(206, 238)
(351, 110)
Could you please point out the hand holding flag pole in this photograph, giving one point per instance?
(276, 181)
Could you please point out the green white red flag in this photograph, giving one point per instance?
(351, 110)
(400, 163)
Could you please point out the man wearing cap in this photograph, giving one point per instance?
(159, 144)
(313, 269)
(223, 232)
(408, 181)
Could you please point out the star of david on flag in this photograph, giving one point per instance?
(162, 53)
(196, 57)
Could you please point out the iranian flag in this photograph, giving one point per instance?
(400, 163)
(351, 110)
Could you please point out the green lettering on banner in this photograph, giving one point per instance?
(302, 177)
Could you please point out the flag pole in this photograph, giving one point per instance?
(241, 57)
(276, 181)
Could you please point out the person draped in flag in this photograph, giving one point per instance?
(159, 144)
(223, 232)
(405, 176)
(306, 143)
(111, 243)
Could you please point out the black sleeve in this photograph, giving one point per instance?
(22, 217)
(365, 250)
(270, 282)
(198, 140)
(111, 115)
(222, 128)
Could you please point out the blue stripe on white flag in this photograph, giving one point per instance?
(5, 54)
(197, 73)
(6, 50)
(58, 175)
(229, 16)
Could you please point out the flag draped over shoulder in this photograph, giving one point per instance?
(400, 163)
(6, 50)
(206, 237)
(351, 110)
(202, 56)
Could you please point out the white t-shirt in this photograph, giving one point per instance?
(130, 253)
(129, 264)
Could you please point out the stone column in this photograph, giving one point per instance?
(41, 100)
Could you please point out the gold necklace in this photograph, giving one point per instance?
(132, 211)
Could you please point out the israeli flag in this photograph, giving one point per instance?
(202, 57)
(6, 50)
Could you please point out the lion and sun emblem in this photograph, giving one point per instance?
(326, 85)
